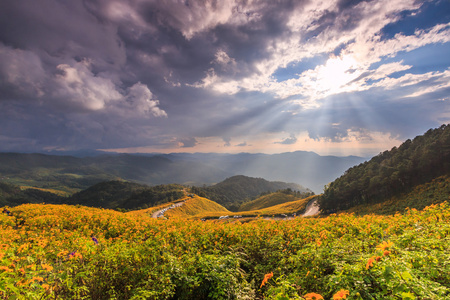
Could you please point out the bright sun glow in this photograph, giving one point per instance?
(336, 73)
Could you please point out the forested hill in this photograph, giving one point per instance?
(233, 191)
(126, 195)
(392, 172)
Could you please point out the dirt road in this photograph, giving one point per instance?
(311, 209)
(160, 213)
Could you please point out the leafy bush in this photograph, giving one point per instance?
(68, 252)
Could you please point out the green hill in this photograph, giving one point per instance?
(126, 195)
(273, 199)
(391, 173)
(12, 195)
(233, 191)
(430, 193)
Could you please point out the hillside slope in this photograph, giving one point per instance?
(126, 195)
(12, 195)
(233, 191)
(430, 193)
(392, 172)
(196, 206)
(272, 199)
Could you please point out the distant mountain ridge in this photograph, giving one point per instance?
(303, 167)
(76, 173)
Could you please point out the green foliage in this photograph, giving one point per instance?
(434, 192)
(392, 172)
(11, 195)
(126, 195)
(110, 194)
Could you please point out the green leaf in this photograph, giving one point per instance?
(408, 296)
(406, 276)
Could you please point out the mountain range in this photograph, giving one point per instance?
(72, 174)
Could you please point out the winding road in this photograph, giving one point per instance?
(311, 209)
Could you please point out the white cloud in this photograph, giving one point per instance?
(350, 71)
(77, 85)
(80, 87)
(141, 99)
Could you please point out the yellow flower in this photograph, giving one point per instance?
(342, 294)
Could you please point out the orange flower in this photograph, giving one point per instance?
(313, 296)
(5, 269)
(37, 278)
(371, 260)
(266, 278)
(384, 245)
(386, 253)
(369, 263)
(46, 267)
(342, 294)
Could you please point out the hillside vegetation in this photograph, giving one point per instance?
(273, 199)
(114, 194)
(68, 252)
(11, 195)
(392, 172)
(280, 211)
(434, 192)
(233, 191)
(126, 195)
(196, 206)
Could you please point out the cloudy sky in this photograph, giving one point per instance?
(335, 77)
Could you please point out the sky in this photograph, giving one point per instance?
(341, 78)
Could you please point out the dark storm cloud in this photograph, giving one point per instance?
(111, 74)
